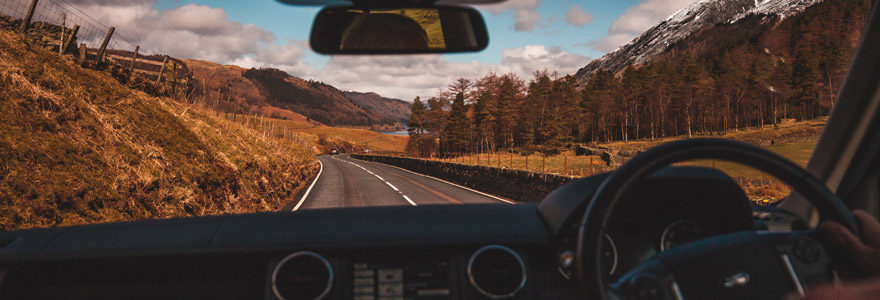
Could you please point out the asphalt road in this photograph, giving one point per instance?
(347, 182)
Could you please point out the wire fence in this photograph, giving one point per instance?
(58, 12)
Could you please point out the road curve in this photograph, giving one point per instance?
(347, 182)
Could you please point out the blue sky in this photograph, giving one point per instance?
(294, 22)
(525, 36)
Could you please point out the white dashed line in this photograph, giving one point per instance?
(450, 183)
(410, 200)
(377, 176)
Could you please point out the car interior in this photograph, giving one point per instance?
(652, 229)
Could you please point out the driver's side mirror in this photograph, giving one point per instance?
(398, 30)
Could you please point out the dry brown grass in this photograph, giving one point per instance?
(792, 141)
(348, 139)
(77, 147)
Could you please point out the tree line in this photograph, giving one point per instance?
(753, 73)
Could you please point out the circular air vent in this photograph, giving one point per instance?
(302, 275)
(496, 272)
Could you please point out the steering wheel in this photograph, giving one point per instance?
(742, 265)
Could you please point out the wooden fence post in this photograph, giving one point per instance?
(82, 53)
(162, 71)
(564, 164)
(63, 29)
(527, 162)
(543, 162)
(70, 39)
(30, 15)
(104, 44)
(511, 159)
(591, 165)
(134, 59)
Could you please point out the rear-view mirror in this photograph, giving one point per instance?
(398, 30)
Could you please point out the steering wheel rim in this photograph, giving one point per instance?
(609, 193)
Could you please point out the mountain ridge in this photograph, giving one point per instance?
(277, 94)
(682, 24)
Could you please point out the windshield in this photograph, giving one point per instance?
(131, 110)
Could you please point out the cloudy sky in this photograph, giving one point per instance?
(525, 36)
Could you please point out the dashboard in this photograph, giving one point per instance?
(522, 251)
(674, 207)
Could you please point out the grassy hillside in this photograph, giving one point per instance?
(322, 138)
(226, 83)
(274, 93)
(316, 100)
(77, 147)
(396, 109)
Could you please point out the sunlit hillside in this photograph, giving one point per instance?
(77, 147)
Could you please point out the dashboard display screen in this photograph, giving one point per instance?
(401, 280)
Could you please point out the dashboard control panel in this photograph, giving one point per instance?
(391, 279)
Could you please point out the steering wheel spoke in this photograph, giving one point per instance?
(651, 280)
(742, 265)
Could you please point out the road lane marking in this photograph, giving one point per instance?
(412, 180)
(410, 200)
(450, 183)
(413, 203)
(309, 190)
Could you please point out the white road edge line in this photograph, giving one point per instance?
(309, 190)
(447, 182)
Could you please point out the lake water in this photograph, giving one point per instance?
(403, 132)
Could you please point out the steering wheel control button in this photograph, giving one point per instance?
(807, 249)
(736, 280)
(302, 275)
(496, 272)
(646, 287)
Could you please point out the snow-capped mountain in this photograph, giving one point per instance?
(682, 24)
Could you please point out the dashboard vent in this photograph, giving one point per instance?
(496, 272)
(302, 275)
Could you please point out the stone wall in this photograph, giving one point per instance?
(521, 186)
(44, 35)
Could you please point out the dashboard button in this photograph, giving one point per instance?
(391, 289)
(390, 275)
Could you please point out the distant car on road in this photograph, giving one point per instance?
(334, 151)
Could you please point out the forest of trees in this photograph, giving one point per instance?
(752, 73)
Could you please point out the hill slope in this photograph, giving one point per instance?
(226, 83)
(275, 93)
(684, 23)
(316, 100)
(395, 109)
(77, 147)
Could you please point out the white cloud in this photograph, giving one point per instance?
(526, 20)
(577, 16)
(405, 77)
(638, 19)
(204, 32)
(524, 11)
(192, 31)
